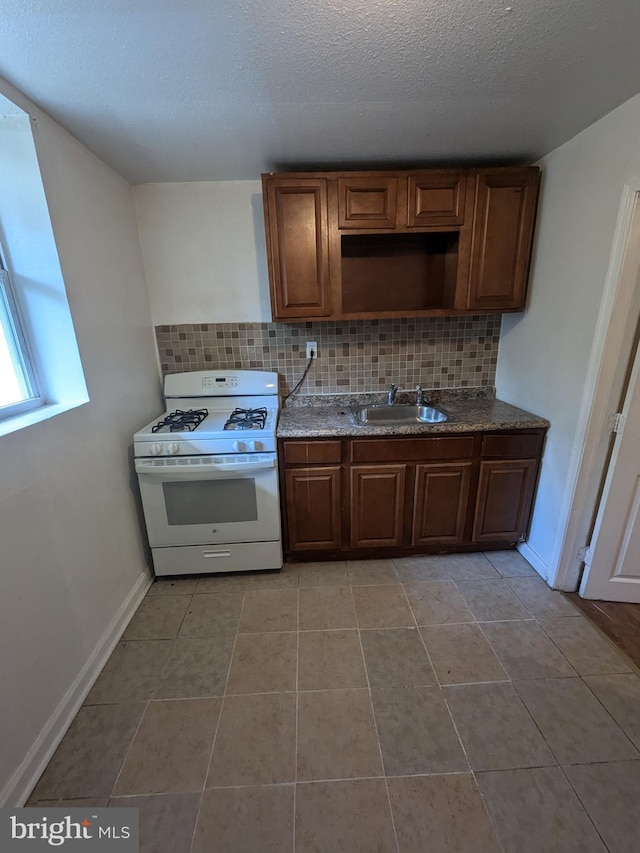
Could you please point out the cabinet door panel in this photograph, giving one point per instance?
(377, 505)
(502, 234)
(313, 508)
(298, 247)
(440, 504)
(505, 491)
(367, 202)
(436, 199)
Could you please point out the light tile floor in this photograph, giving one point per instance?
(443, 703)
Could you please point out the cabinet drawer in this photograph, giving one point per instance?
(436, 198)
(515, 446)
(412, 449)
(311, 452)
(367, 202)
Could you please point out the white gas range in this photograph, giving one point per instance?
(208, 474)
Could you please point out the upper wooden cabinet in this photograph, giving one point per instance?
(503, 228)
(398, 244)
(297, 247)
(436, 198)
(369, 202)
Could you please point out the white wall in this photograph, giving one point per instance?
(543, 356)
(204, 252)
(71, 548)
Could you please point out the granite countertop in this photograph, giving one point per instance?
(468, 410)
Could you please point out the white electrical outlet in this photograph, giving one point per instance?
(312, 349)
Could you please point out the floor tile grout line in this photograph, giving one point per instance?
(514, 684)
(492, 823)
(455, 728)
(583, 805)
(620, 653)
(215, 733)
(494, 650)
(128, 751)
(520, 601)
(195, 823)
(424, 646)
(375, 724)
(611, 717)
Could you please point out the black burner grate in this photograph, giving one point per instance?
(180, 421)
(247, 419)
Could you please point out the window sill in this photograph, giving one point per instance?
(35, 416)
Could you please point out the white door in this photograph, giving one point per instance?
(613, 573)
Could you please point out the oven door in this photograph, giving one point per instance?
(204, 500)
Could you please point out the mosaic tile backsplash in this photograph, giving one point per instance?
(353, 356)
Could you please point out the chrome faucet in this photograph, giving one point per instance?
(391, 394)
(419, 396)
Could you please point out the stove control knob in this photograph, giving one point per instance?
(239, 446)
(155, 449)
(255, 445)
(173, 448)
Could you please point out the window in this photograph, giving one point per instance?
(41, 373)
(18, 387)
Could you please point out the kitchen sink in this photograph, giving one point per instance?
(397, 414)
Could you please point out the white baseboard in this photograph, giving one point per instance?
(536, 561)
(22, 782)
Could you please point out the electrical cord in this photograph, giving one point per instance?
(302, 378)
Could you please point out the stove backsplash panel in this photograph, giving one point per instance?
(356, 355)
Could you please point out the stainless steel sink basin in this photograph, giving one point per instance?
(397, 414)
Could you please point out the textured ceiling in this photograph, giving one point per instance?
(210, 90)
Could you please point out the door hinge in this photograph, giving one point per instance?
(616, 423)
(585, 555)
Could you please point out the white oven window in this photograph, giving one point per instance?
(210, 501)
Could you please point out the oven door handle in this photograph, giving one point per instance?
(208, 470)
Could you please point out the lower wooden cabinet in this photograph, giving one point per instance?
(377, 505)
(312, 508)
(356, 497)
(503, 505)
(441, 498)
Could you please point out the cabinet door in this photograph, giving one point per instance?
(441, 498)
(503, 505)
(502, 235)
(297, 246)
(436, 199)
(377, 505)
(367, 202)
(312, 503)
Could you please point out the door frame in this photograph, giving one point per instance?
(598, 399)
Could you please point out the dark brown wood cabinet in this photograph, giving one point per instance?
(436, 198)
(502, 235)
(298, 247)
(363, 245)
(505, 489)
(312, 481)
(508, 468)
(377, 505)
(441, 499)
(367, 202)
(352, 497)
(313, 508)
